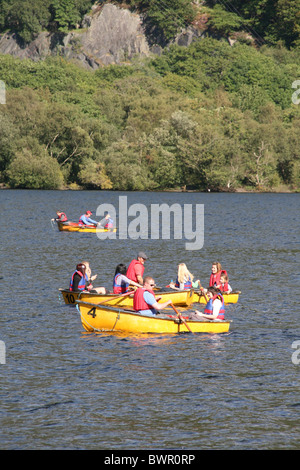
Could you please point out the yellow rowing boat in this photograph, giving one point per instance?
(96, 317)
(231, 298)
(180, 298)
(74, 227)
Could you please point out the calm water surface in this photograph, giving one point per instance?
(63, 388)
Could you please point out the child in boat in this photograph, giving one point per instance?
(185, 279)
(215, 307)
(224, 286)
(216, 272)
(121, 281)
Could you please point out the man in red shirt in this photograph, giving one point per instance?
(136, 268)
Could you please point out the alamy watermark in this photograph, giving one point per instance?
(295, 99)
(2, 353)
(139, 222)
(2, 93)
(296, 354)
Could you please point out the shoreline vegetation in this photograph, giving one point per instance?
(278, 190)
(212, 116)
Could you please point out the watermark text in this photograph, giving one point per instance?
(296, 354)
(2, 93)
(295, 99)
(2, 353)
(160, 221)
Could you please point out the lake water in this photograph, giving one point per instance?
(64, 388)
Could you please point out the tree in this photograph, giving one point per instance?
(93, 175)
(260, 168)
(27, 18)
(164, 19)
(34, 172)
(8, 136)
(224, 22)
(65, 14)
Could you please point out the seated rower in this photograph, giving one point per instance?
(108, 222)
(79, 279)
(224, 286)
(215, 308)
(86, 220)
(144, 300)
(121, 281)
(61, 217)
(80, 282)
(185, 279)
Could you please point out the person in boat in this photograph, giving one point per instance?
(144, 300)
(61, 217)
(80, 282)
(91, 278)
(108, 222)
(216, 272)
(184, 279)
(86, 220)
(224, 286)
(121, 281)
(136, 268)
(215, 307)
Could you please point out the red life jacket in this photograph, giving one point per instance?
(109, 224)
(215, 278)
(138, 299)
(224, 287)
(209, 307)
(80, 221)
(131, 272)
(63, 217)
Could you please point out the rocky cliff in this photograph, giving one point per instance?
(109, 35)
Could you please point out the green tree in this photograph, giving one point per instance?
(65, 14)
(27, 18)
(93, 175)
(31, 171)
(164, 19)
(268, 20)
(224, 22)
(8, 136)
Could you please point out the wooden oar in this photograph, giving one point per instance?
(118, 297)
(181, 318)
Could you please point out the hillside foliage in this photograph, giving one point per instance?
(208, 116)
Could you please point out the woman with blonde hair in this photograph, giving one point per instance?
(90, 287)
(185, 278)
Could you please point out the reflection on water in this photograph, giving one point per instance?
(62, 387)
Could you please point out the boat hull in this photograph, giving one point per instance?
(96, 318)
(231, 298)
(73, 227)
(179, 298)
